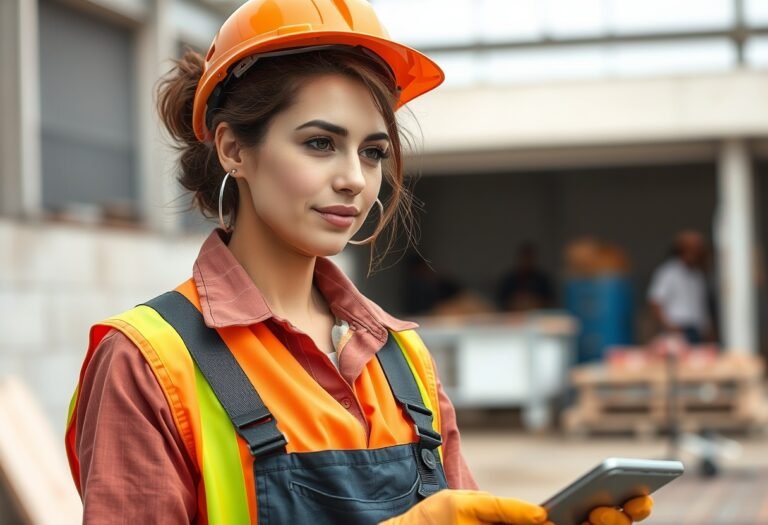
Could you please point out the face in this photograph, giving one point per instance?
(317, 173)
(692, 248)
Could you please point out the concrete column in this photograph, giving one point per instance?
(735, 248)
(159, 190)
(20, 175)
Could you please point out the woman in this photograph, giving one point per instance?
(266, 388)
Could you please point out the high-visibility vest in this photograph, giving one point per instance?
(308, 416)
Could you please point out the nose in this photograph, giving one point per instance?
(350, 177)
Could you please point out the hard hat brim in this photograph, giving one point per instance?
(414, 72)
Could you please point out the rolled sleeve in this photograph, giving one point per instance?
(456, 469)
(134, 466)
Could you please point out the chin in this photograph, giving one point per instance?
(323, 247)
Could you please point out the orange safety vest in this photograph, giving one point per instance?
(309, 417)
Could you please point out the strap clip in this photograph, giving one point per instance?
(259, 429)
(421, 409)
(428, 438)
(268, 447)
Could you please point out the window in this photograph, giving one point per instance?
(650, 16)
(469, 24)
(89, 151)
(756, 12)
(757, 52)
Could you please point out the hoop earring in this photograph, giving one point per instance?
(226, 227)
(367, 240)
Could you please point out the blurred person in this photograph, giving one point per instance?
(678, 294)
(266, 388)
(424, 287)
(429, 293)
(526, 286)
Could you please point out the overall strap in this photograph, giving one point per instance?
(251, 418)
(406, 391)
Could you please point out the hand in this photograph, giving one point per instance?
(469, 507)
(636, 509)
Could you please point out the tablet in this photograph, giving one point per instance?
(610, 484)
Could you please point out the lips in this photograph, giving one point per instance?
(340, 209)
(339, 215)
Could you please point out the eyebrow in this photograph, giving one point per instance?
(338, 130)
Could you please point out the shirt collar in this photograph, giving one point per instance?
(229, 297)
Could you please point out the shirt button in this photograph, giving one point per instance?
(346, 403)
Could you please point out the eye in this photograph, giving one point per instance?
(320, 144)
(375, 153)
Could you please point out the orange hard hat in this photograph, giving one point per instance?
(261, 27)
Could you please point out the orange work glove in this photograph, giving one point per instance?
(636, 509)
(469, 507)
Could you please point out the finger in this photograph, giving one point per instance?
(608, 516)
(489, 508)
(639, 508)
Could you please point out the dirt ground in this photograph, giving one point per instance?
(535, 466)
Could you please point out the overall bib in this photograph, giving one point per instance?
(326, 487)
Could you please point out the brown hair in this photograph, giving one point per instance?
(249, 106)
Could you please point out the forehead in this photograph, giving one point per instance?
(338, 99)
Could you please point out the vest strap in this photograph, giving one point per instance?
(251, 418)
(406, 391)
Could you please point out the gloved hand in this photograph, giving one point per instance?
(469, 507)
(636, 509)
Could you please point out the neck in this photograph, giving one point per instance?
(283, 275)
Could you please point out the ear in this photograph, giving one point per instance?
(228, 148)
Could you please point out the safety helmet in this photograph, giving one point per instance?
(272, 27)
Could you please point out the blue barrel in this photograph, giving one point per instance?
(603, 305)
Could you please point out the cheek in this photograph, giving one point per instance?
(301, 182)
(288, 179)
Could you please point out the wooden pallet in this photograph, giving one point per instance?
(722, 393)
(33, 473)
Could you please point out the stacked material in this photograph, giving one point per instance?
(639, 391)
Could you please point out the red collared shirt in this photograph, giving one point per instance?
(134, 466)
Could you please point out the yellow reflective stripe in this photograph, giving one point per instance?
(419, 383)
(166, 354)
(422, 389)
(223, 477)
(72, 404)
(225, 494)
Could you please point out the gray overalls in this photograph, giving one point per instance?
(330, 487)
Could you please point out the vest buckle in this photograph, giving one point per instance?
(428, 438)
(259, 429)
(265, 448)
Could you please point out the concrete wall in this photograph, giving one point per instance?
(57, 280)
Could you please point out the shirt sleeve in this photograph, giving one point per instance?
(456, 469)
(134, 466)
(660, 285)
